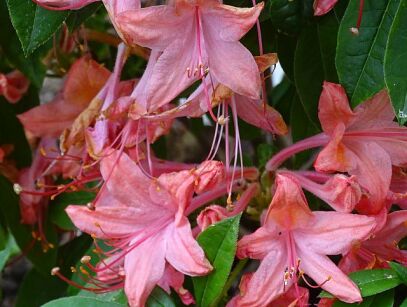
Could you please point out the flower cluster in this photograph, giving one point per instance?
(97, 135)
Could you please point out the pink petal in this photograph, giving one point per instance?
(322, 7)
(64, 4)
(258, 244)
(266, 283)
(323, 236)
(240, 72)
(131, 191)
(170, 77)
(394, 230)
(107, 223)
(325, 273)
(155, 27)
(334, 107)
(377, 112)
(232, 22)
(373, 170)
(254, 113)
(183, 252)
(211, 215)
(144, 266)
(336, 157)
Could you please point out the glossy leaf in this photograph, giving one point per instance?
(31, 65)
(401, 271)
(395, 64)
(360, 58)
(9, 206)
(117, 297)
(79, 301)
(76, 18)
(219, 242)
(159, 298)
(314, 62)
(385, 299)
(34, 25)
(371, 282)
(10, 249)
(404, 304)
(37, 289)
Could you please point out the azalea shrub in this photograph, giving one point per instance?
(203, 152)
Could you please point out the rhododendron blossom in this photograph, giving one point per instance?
(293, 241)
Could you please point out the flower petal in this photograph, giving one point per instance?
(155, 27)
(107, 223)
(325, 273)
(183, 252)
(322, 7)
(267, 283)
(334, 107)
(144, 266)
(326, 237)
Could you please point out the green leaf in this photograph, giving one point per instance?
(32, 65)
(371, 282)
(57, 212)
(11, 249)
(117, 297)
(395, 63)
(76, 18)
(12, 132)
(38, 289)
(34, 25)
(79, 301)
(314, 62)
(385, 299)
(159, 298)
(404, 304)
(219, 242)
(9, 206)
(401, 271)
(360, 58)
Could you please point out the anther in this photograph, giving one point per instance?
(86, 259)
(222, 120)
(90, 206)
(55, 271)
(17, 188)
(354, 31)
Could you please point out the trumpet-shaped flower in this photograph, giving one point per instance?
(146, 221)
(365, 142)
(195, 38)
(294, 241)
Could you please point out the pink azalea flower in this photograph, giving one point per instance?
(365, 142)
(195, 38)
(83, 82)
(13, 86)
(141, 216)
(322, 7)
(293, 241)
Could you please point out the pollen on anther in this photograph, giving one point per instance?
(91, 206)
(86, 259)
(354, 31)
(17, 188)
(55, 271)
